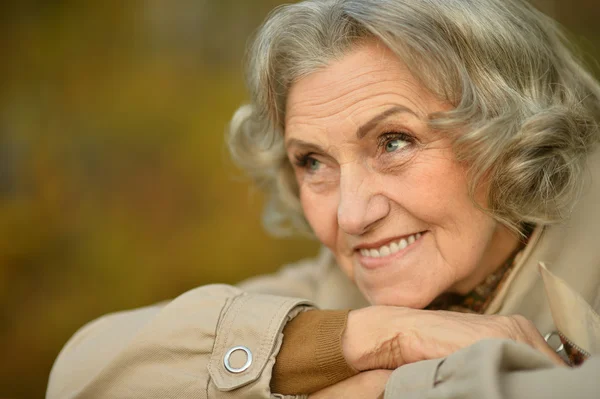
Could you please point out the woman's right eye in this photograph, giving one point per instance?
(312, 164)
(308, 162)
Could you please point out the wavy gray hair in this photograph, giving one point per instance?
(526, 108)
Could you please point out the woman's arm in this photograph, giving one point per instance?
(177, 350)
(494, 369)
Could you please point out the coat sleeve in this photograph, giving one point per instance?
(177, 349)
(494, 369)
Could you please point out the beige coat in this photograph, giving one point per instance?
(177, 349)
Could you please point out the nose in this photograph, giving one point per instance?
(361, 204)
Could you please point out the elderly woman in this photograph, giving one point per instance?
(442, 151)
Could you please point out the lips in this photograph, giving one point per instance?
(389, 248)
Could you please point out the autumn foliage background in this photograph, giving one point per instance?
(116, 190)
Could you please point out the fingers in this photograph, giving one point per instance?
(541, 345)
(556, 359)
(530, 334)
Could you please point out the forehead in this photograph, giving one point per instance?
(365, 81)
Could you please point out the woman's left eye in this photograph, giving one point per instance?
(394, 143)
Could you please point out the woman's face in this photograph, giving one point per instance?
(383, 191)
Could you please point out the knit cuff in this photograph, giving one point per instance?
(328, 353)
(311, 356)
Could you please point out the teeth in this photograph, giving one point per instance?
(384, 251)
(394, 247)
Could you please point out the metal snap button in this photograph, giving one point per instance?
(244, 367)
(548, 337)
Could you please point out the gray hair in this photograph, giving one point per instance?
(526, 109)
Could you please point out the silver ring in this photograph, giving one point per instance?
(245, 366)
(550, 335)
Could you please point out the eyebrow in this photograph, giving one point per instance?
(361, 132)
(303, 145)
(370, 125)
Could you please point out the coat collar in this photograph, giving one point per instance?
(570, 252)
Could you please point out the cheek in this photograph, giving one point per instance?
(432, 190)
(461, 230)
(439, 190)
(435, 191)
(321, 213)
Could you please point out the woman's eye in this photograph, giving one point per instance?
(307, 162)
(312, 164)
(394, 144)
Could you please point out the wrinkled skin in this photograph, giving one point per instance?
(397, 179)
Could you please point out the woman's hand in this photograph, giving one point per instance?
(366, 385)
(386, 337)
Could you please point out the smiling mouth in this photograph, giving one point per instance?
(390, 248)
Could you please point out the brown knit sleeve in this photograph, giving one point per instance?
(311, 356)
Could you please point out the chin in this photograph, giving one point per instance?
(397, 297)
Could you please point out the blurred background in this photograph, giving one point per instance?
(115, 186)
